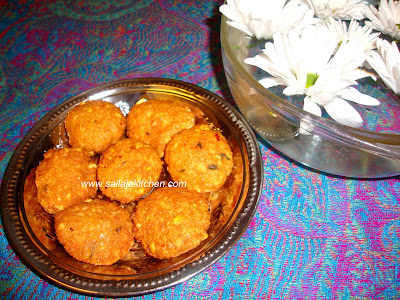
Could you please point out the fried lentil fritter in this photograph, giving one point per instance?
(128, 170)
(171, 221)
(201, 157)
(60, 178)
(96, 232)
(95, 125)
(155, 122)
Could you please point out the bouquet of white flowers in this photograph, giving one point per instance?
(320, 48)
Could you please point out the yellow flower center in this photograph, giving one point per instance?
(311, 79)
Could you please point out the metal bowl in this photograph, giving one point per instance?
(329, 147)
(30, 229)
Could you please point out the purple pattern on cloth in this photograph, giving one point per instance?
(313, 236)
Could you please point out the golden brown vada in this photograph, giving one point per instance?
(65, 177)
(171, 221)
(128, 170)
(95, 125)
(97, 232)
(200, 157)
(155, 122)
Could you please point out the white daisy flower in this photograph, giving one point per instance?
(338, 9)
(262, 18)
(290, 54)
(354, 31)
(308, 65)
(386, 62)
(386, 19)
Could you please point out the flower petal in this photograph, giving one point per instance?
(230, 12)
(349, 56)
(377, 63)
(294, 89)
(346, 10)
(385, 19)
(354, 95)
(322, 98)
(306, 125)
(343, 113)
(270, 82)
(331, 81)
(386, 62)
(263, 18)
(311, 107)
(359, 73)
(240, 26)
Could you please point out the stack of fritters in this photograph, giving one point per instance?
(167, 221)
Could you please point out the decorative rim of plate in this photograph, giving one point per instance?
(13, 220)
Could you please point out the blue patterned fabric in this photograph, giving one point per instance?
(313, 236)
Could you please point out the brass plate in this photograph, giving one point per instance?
(30, 229)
